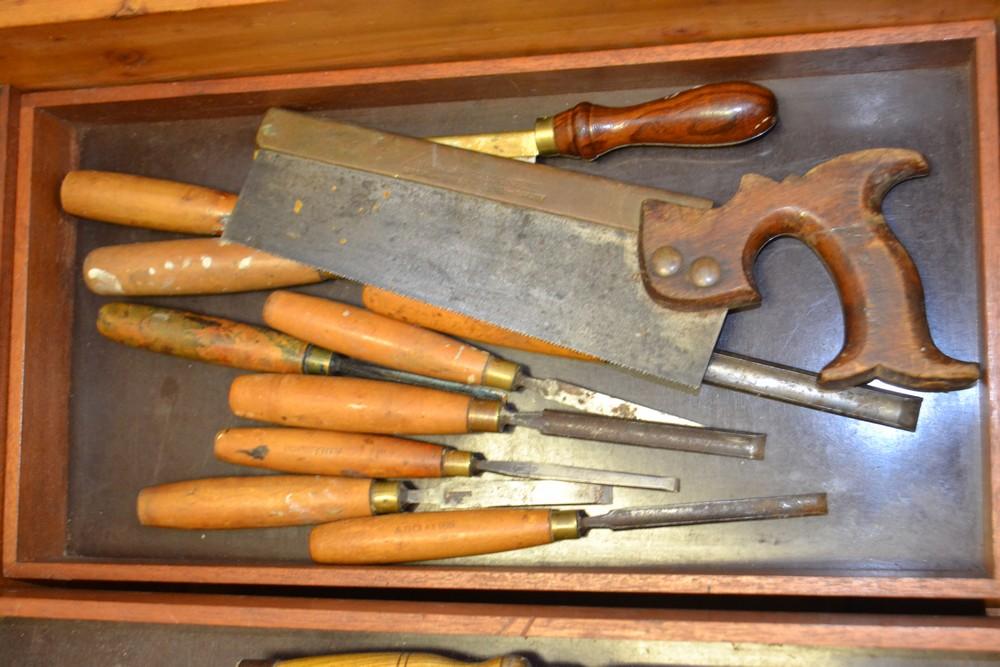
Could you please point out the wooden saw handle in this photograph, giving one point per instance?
(189, 266)
(694, 259)
(719, 114)
(330, 453)
(386, 660)
(377, 339)
(152, 203)
(429, 535)
(254, 502)
(357, 406)
(201, 337)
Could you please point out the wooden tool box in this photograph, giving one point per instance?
(89, 423)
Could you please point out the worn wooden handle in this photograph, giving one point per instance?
(429, 536)
(386, 660)
(329, 453)
(719, 114)
(375, 338)
(422, 314)
(253, 502)
(189, 266)
(349, 404)
(138, 201)
(703, 259)
(201, 337)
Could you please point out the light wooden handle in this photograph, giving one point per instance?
(349, 404)
(189, 266)
(138, 201)
(375, 338)
(386, 660)
(329, 453)
(420, 536)
(253, 502)
(421, 314)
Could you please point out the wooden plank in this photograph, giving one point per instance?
(308, 35)
(517, 621)
(17, 13)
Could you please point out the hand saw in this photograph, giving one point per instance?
(591, 264)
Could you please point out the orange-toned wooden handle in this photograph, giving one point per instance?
(348, 404)
(189, 266)
(719, 114)
(402, 538)
(201, 337)
(138, 201)
(416, 312)
(253, 502)
(375, 338)
(386, 660)
(329, 452)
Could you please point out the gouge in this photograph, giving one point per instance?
(365, 455)
(434, 535)
(368, 406)
(217, 503)
(228, 343)
(385, 660)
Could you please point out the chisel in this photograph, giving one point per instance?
(368, 406)
(317, 452)
(434, 535)
(219, 503)
(385, 660)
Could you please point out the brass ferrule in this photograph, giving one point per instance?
(565, 524)
(456, 463)
(484, 416)
(316, 361)
(501, 373)
(545, 136)
(386, 497)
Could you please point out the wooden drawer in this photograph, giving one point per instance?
(912, 515)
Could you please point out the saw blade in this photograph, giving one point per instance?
(566, 281)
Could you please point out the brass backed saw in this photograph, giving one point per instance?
(580, 261)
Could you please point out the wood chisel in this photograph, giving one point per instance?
(385, 660)
(369, 406)
(554, 254)
(216, 503)
(316, 452)
(220, 341)
(434, 535)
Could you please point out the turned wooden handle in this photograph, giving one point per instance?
(138, 201)
(253, 502)
(718, 114)
(349, 404)
(429, 535)
(704, 259)
(189, 266)
(329, 453)
(375, 338)
(422, 314)
(201, 337)
(386, 660)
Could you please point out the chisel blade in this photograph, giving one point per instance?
(575, 474)
(476, 493)
(557, 278)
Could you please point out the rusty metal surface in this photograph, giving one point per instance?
(901, 503)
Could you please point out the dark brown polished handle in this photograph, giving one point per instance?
(693, 259)
(719, 114)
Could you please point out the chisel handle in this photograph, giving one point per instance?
(359, 406)
(386, 660)
(189, 266)
(404, 538)
(317, 452)
(719, 114)
(384, 341)
(152, 203)
(262, 502)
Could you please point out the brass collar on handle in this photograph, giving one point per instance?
(484, 416)
(386, 497)
(545, 136)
